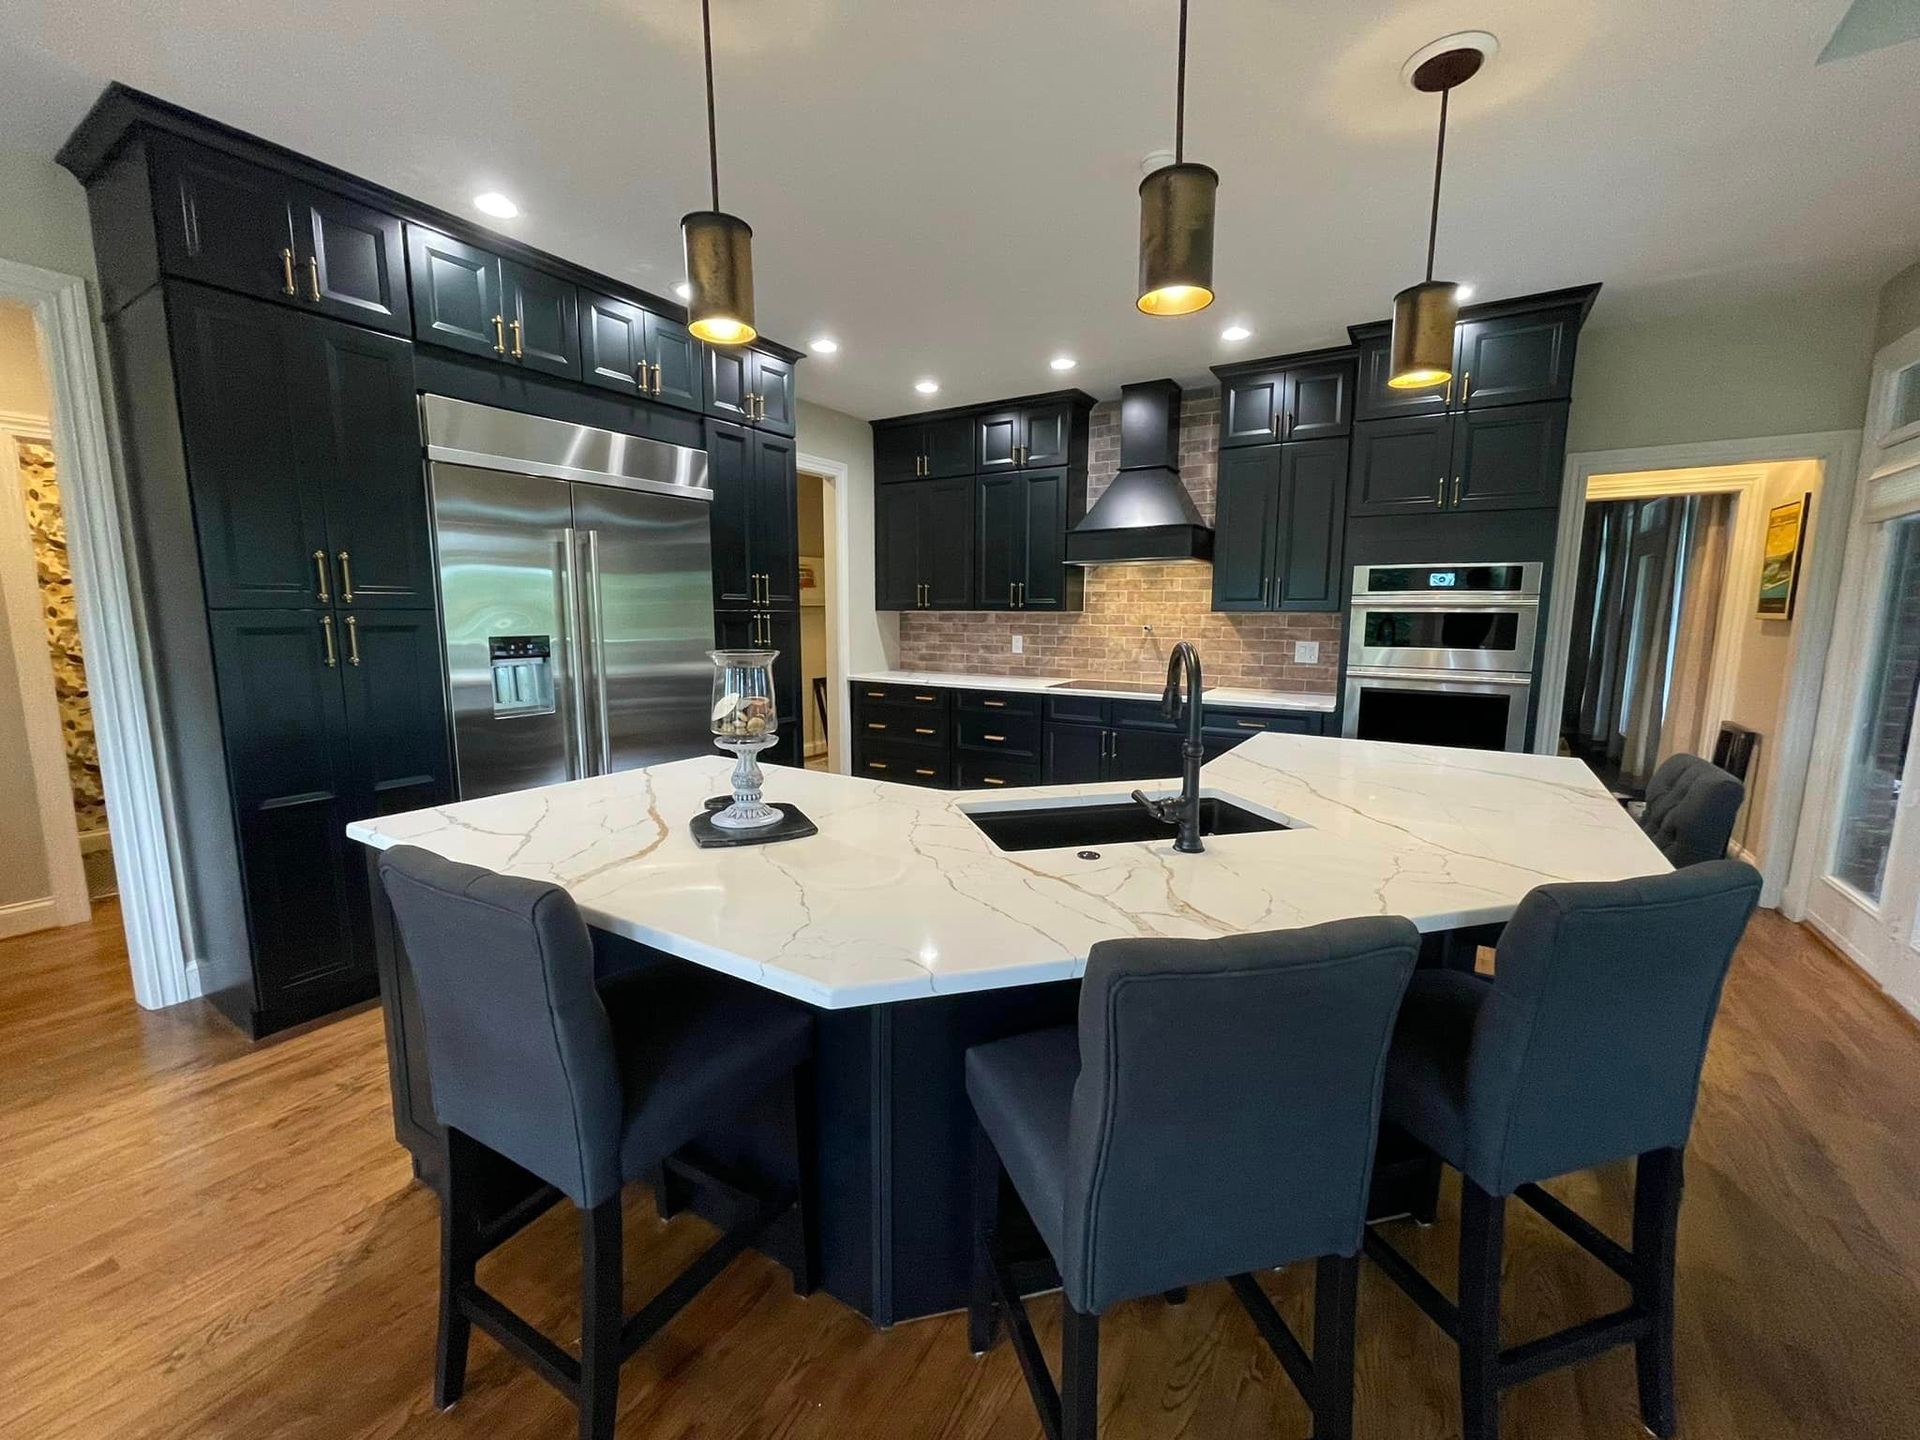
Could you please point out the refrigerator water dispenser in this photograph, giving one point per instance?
(522, 675)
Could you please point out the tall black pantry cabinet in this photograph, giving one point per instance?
(278, 508)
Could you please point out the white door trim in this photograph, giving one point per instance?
(839, 613)
(66, 901)
(119, 672)
(1838, 454)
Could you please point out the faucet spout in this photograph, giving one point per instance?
(1183, 666)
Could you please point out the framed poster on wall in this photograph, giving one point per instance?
(1780, 560)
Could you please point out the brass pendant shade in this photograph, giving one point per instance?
(1423, 319)
(1176, 219)
(718, 246)
(1176, 239)
(719, 250)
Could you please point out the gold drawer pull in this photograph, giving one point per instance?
(876, 724)
(876, 694)
(1250, 724)
(994, 704)
(928, 698)
(876, 764)
(923, 772)
(991, 780)
(923, 730)
(996, 738)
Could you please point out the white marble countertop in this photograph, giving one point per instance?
(901, 896)
(1057, 685)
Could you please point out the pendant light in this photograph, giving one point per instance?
(719, 246)
(1424, 315)
(1176, 220)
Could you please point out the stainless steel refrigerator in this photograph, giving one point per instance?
(576, 595)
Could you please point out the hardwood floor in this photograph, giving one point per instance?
(214, 1240)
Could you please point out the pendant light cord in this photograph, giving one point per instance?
(713, 142)
(1180, 94)
(1439, 161)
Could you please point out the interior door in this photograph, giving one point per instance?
(649, 625)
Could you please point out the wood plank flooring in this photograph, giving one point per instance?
(214, 1240)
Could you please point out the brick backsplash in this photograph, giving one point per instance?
(1109, 639)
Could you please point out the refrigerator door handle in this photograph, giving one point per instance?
(576, 687)
(596, 635)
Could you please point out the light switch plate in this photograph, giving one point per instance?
(1019, 644)
(1306, 652)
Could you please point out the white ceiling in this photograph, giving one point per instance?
(948, 188)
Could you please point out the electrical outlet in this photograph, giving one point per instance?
(1306, 652)
(1019, 644)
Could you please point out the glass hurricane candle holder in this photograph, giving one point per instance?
(745, 722)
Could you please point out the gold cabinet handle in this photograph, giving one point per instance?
(519, 334)
(326, 630)
(499, 334)
(657, 385)
(927, 773)
(1009, 594)
(876, 764)
(321, 592)
(1446, 396)
(876, 694)
(313, 278)
(876, 724)
(1466, 389)
(924, 730)
(1456, 490)
(287, 286)
(640, 377)
(1250, 724)
(929, 699)
(353, 639)
(346, 577)
(1441, 497)
(994, 704)
(1023, 594)
(997, 739)
(991, 780)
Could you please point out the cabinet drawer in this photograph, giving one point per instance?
(902, 724)
(985, 772)
(1145, 715)
(1284, 722)
(1017, 735)
(997, 702)
(902, 764)
(1082, 709)
(926, 697)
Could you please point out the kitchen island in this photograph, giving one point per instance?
(913, 935)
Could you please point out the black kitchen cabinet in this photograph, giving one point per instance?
(922, 558)
(1279, 526)
(755, 517)
(1508, 457)
(456, 294)
(303, 445)
(243, 227)
(627, 347)
(923, 449)
(1020, 523)
(772, 629)
(1401, 466)
(749, 386)
(395, 711)
(543, 320)
(1309, 400)
(1038, 436)
(1515, 352)
(1075, 754)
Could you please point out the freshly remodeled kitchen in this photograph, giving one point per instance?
(1144, 754)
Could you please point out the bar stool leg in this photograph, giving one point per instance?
(1336, 1299)
(1079, 1374)
(602, 1306)
(1482, 1235)
(459, 1253)
(1658, 1181)
(983, 1313)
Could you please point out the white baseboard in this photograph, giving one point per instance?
(26, 915)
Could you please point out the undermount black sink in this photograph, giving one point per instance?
(1122, 823)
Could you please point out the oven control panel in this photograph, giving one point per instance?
(1516, 579)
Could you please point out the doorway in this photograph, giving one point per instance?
(818, 622)
(1860, 870)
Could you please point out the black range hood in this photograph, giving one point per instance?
(1145, 517)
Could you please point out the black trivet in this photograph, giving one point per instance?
(792, 825)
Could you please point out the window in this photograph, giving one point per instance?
(1878, 753)
(1905, 411)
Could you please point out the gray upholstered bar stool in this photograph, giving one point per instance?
(1213, 1113)
(1690, 810)
(1585, 1048)
(584, 1089)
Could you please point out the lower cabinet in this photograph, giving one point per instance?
(771, 629)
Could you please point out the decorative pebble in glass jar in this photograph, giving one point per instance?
(745, 722)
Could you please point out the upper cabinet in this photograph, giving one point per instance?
(750, 386)
(242, 227)
(1020, 524)
(920, 550)
(1305, 400)
(755, 519)
(931, 449)
(543, 320)
(626, 347)
(468, 298)
(1502, 457)
(1278, 531)
(1521, 354)
(1027, 437)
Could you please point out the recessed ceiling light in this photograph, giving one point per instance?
(1235, 332)
(683, 290)
(493, 203)
(1463, 292)
(927, 387)
(1063, 362)
(825, 345)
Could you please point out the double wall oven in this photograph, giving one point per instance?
(1442, 654)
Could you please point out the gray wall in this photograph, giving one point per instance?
(1899, 311)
